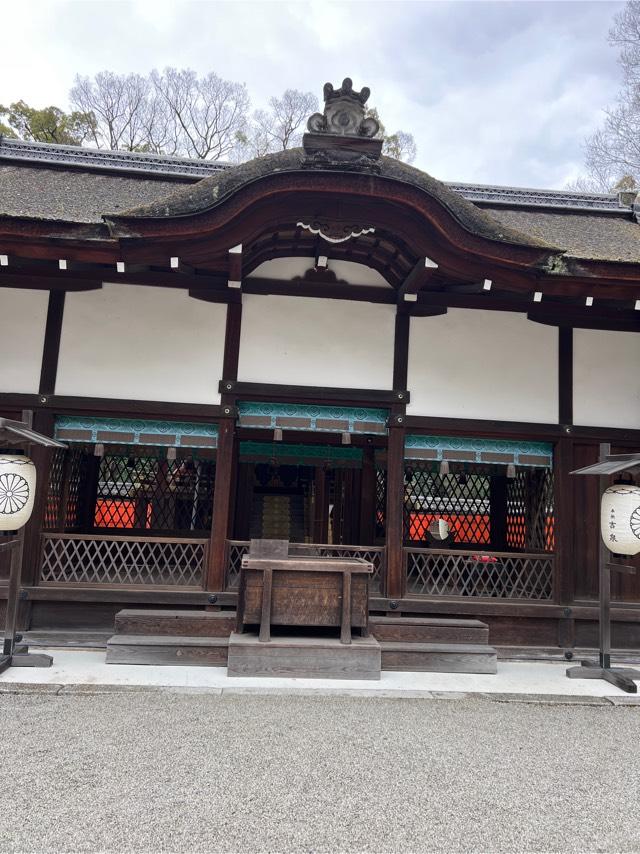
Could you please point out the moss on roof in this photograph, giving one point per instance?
(589, 236)
(213, 190)
(71, 195)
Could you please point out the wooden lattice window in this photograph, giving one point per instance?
(530, 510)
(67, 475)
(139, 490)
(461, 498)
(130, 489)
(482, 505)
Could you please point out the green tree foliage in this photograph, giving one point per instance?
(49, 124)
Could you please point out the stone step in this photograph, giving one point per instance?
(439, 657)
(209, 624)
(428, 630)
(160, 649)
(304, 657)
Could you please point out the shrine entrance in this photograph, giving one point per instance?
(298, 479)
(306, 501)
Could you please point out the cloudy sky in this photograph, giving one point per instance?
(494, 92)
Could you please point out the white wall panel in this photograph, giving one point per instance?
(305, 341)
(606, 378)
(141, 342)
(483, 364)
(23, 317)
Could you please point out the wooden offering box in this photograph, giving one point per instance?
(285, 590)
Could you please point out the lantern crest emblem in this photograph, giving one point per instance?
(17, 488)
(620, 518)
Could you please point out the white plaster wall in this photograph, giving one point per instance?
(147, 343)
(305, 341)
(606, 378)
(23, 317)
(483, 364)
(348, 271)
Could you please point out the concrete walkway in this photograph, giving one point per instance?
(74, 670)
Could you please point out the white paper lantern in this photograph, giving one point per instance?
(620, 518)
(17, 491)
(439, 529)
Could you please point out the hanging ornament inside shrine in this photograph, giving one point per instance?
(620, 518)
(17, 491)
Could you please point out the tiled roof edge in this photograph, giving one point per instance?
(45, 153)
(530, 197)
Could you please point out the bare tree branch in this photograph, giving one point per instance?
(117, 101)
(204, 115)
(278, 128)
(613, 152)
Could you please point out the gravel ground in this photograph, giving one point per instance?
(156, 772)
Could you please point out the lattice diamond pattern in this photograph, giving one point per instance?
(381, 503)
(147, 492)
(530, 510)
(54, 490)
(123, 561)
(465, 574)
(66, 476)
(461, 499)
(235, 552)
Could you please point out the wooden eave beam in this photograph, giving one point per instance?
(421, 273)
(551, 313)
(50, 277)
(177, 265)
(47, 283)
(326, 290)
(588, 318)
(377, 397)
(235, 266)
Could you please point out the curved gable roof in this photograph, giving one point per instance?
(214, 190)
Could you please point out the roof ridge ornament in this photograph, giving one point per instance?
(343, 136)
(344, 112)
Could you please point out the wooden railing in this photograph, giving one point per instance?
(504, 575)
(96, 559)
(236, 549)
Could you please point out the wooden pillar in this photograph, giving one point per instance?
(320, 507)
(565, 375)
(401, 348)
(232, 340)
(395, 581)
(367, 497)
(42, 422)
(563, 521)
(222, 504)
(88, 495)
(351, 506)
(51, 348)
(241, 529)
(498, 512)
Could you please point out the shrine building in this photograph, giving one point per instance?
(323, 345)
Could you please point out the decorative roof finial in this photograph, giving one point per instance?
(344, 112)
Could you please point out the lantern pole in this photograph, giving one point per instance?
(14, 655)
(604, 579)
(622, 677)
